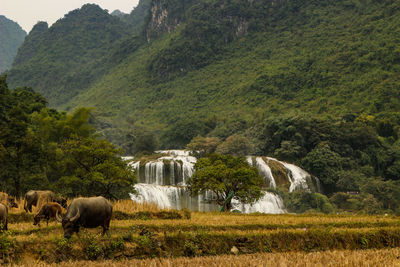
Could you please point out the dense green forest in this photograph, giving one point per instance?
(315, 83)
(41, 148)
(11, 37)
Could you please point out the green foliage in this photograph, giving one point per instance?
(94, 167)
(201, 146)
(323, 162)
(145, 142)
(225, 175)
(300, 201)
(357, 202)
(90, 247)
(41, 148)
(237, 145)
(8, 247)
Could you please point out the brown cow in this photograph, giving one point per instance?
(8, 200)
(47, 211)
(33, 197)
(3, 216)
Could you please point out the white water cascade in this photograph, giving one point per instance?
(163, 181)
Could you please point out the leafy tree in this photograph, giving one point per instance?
(94, 167)
(301, 201)
(237, 145)
(349, 180)
(145, 142)
(289, 150)
(20, 152)
(387, 192)
(225, 175)
(202, 146)
(324, 163)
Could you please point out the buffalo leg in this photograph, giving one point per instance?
(106, 226)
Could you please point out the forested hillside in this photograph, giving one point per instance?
(207, 67)
(11, 37)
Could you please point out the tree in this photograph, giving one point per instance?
(225, 175)
(237, 145)
(202, 146)
(94, 167)
(145, 142)
(325, 164)
(21, 156)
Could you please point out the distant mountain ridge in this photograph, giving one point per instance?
(11, 37)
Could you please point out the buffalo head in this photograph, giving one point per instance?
(70, 225)
(12, 203)
(36, 220)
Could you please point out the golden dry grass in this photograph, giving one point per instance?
(124, 205)
(128, 206)
(383, 257)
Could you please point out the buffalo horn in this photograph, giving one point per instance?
(58, 217)
(76, 217)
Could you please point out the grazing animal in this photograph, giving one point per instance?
(33, 196)
(86, 212)
(3, 216)
(8, 200)
(47, 211)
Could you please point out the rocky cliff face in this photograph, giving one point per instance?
(165, 16)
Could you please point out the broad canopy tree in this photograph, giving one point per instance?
(226, 175)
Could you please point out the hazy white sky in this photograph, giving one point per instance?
(28, 12)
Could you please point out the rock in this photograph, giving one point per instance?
(234, 250)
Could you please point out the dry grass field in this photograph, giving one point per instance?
(356, 258)
(143, 235)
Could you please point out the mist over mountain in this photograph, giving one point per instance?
(11, 37)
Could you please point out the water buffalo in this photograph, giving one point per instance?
(3, 216)
(32, 198)
(86, 212)
(8, 200)
(47, 211)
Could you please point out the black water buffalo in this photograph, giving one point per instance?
(86, 212)
(8, 200)
(47, 211)
(32, 198)
(3, 216)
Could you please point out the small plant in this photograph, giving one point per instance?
(90, 247)
(7, 247)
(113, 246)
(63, 249)
(186, 214)
(190, 249)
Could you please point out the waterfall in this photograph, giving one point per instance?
(162, 181)
(265, 171)
(173, 197)
(270, 203)
(298, 177)
(178, 198)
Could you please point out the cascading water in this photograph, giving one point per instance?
(163, 182)
(176, 197)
